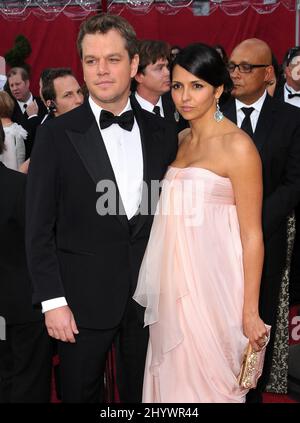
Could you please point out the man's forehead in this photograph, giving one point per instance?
(245, 54)
(161, 61)
(15, 77)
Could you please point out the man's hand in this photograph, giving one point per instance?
(32, 108)
(61, 324)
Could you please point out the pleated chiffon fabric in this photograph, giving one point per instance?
(192, 285)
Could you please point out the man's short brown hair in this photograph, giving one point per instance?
(150, 51)
(19, 71)
(101, 24)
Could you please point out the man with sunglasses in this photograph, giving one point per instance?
(275, 129)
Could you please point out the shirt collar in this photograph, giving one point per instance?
(257, 105)
(290, 90)
(145, 104)
(21, 103)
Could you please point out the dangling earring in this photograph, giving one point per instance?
(218, 116)
(176, 116)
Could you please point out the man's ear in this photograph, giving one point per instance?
(288, 71)
(134, 65)
(139, 77)
(269, 73)
(51, 105)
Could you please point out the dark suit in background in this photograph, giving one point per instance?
(25, 355)
(169, 112)
(295, 265)
(277, 138)
(30, 124)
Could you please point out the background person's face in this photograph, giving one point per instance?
(107, 69)
(68, 94)
(248, 87)
(293, 72)
(19, 88)
(156, 77)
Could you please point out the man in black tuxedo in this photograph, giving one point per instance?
(275, 130)
(25, 353)
(29, 110)
(152, 82)
(85, 237)
(289, 92)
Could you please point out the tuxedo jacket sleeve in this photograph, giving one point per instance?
(42, 194)
(15, 284)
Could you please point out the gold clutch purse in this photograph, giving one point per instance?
(252, 366)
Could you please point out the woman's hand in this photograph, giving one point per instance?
(24, 167)
(255, 330)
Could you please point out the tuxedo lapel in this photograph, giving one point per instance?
(91, 150)
(264, 125)
(138, 114)
(168, 106)
(152, 138)
(229, 110)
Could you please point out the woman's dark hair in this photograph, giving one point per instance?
(205, 63)
(1, 138)
(222, 52)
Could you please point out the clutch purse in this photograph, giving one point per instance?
(252, 366)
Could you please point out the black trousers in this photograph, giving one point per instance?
(82, 365)
(25, 364)
(131, 348)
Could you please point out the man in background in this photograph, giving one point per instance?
(29, 110)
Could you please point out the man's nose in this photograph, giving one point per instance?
(102, 67)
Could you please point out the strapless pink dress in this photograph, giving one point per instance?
(191, 283)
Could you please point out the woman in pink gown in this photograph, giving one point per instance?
(200, 276)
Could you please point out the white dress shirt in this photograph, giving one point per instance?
(295, 101)
(254, 115)
(22, 103)
(145, 104)
(124, 149)
(23, 107)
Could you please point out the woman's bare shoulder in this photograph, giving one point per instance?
(237, 141)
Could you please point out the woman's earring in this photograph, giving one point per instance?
(176, 116)
(218, 116)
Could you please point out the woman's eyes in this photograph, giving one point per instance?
(196, 85)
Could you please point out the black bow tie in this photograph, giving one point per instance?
(292, 95)
(125, 120)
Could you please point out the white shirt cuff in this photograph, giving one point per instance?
(54, 303)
